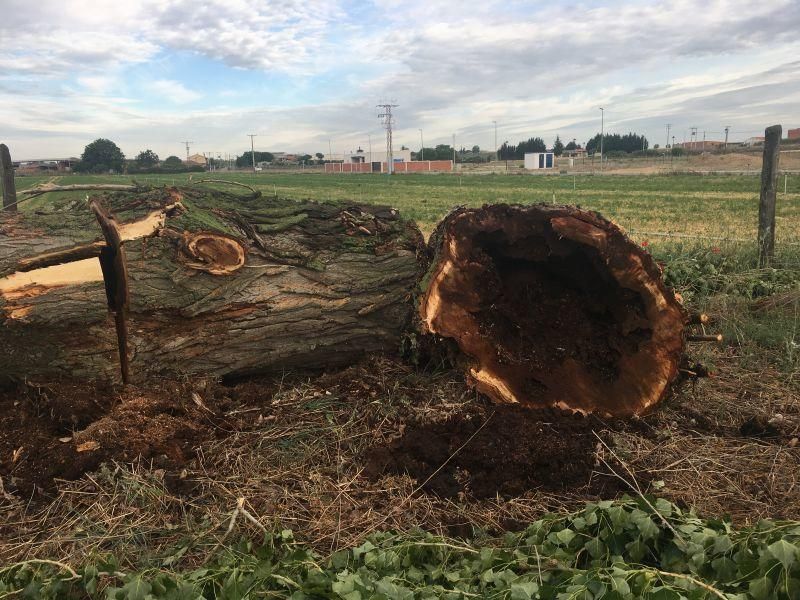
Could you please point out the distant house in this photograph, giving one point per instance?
(793, 134)
(754, 141)
(578, 152)
(197, 159)
(284, 158)
(701, 145)
(51, 165)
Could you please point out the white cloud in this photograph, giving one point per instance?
(537, 69)
(173, 91)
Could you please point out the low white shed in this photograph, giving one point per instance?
(539, 160)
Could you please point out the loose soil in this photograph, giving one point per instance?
(59, 431)
(506, 450)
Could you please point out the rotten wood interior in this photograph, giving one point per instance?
(554, 306)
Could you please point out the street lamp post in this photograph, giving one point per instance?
(454, 151)
(421, 146)
(496, 152)
(602, 135)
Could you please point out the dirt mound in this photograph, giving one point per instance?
(505, 449)
(62, 431)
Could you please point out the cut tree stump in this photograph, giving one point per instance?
(553, 306)
(220, 285)
(547, 306)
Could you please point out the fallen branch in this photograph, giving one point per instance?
(58, 257)
(704, 338)
(225, 181)
(46, 189)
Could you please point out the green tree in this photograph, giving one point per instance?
(173, 162)
(571, 146)
(558, 146)
(476, 149)
(101, 156)
(246, 159)
(146, 159)
(614, 142)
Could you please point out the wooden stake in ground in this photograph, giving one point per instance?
(7, 174)
(115, 275)
(769, 188)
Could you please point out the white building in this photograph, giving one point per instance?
(540, 160)
(376, 156)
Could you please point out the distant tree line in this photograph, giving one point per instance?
(509, 152)
(104, 156)
(614, 142)
(246, 159)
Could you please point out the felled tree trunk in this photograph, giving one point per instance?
(548, 306)
(553, 306)
(219, 285)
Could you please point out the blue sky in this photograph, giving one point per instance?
(150, 74)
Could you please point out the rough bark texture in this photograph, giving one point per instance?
(220, 285)
(7, 180)
(553, 306)
(769, 193)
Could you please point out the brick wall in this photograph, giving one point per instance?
(416, 166)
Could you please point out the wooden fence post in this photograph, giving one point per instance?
(769, 188)
(7, 175)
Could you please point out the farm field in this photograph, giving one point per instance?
(709, 205)
(317, 485)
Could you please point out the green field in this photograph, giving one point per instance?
(711, 205)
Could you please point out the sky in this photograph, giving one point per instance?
(307, 76)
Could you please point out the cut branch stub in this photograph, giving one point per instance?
(554, 306)
(214, 253)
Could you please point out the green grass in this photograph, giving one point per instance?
(714, 266)
(712, 205)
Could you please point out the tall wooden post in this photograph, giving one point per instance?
(769, 189)
(7, 175)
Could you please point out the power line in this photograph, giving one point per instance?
(387, 120)
(253, 149)
(187, 148)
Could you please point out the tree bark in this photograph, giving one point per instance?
(7, 179)
(553, 306)
(546, 306)
(220, 285)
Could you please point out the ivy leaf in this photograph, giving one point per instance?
(566, 536)
(523, 591)
(761, 588)
(785, 552)
(135, 589)
(595, 547)
(664, 593)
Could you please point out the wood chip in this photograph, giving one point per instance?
(88, 446)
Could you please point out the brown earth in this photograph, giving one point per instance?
(506, 450)
(310, 454)
(63, 430)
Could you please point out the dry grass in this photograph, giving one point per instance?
(299, 464)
